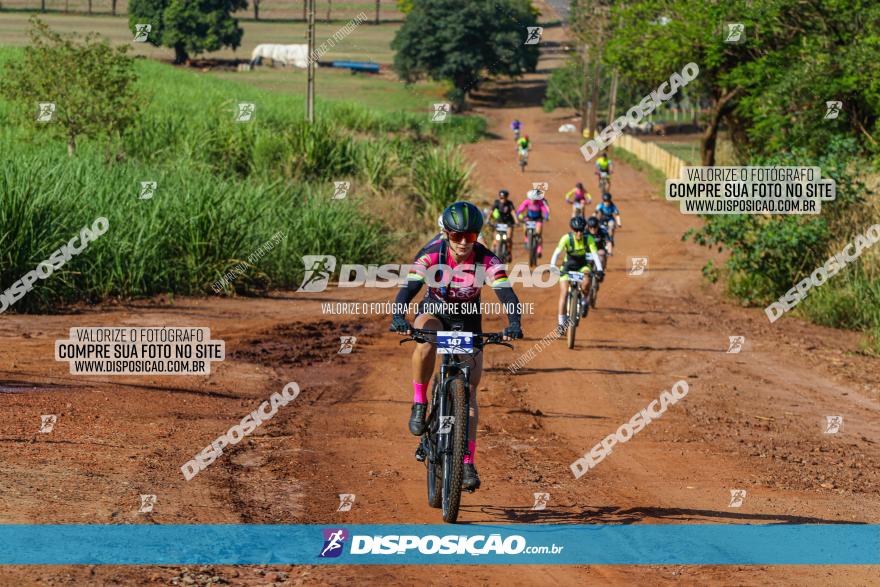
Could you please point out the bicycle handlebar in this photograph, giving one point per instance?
(422, 335)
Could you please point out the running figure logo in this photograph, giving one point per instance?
(638, 265)
(47, 423)
(245, 111)
(333, 542)
(319, 268)
(346, 344)
(440, 112)
(541, 501)
(346, 500)
(340, 189)
(141, 32)
(46, 111)
(833, 109)
(148, 190)
(533, 37)
(737, 496)
(833, 424)
(446, 423)
(736, 343)
(541, 186)
(734, 32)
(147, 503)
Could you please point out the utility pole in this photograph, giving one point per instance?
(594, 97)
(310, 90)
(612, 99)
(586, 105)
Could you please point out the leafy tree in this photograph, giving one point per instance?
(565, 88)
(189, 26)
(90, 84)
(771, 89)
(465, 42)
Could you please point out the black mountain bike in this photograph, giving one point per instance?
(501, 248)
(603, 182)
(444, 442)
(576, 305)
(533, 239)
(594, 289)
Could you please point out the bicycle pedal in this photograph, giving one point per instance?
(420, 454)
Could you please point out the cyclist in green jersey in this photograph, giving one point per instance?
(575, 245)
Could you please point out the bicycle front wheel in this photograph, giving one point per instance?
(573, 317)
(453, 460)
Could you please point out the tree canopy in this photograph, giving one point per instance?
(465, 42)
(88, 86)
(189, 27)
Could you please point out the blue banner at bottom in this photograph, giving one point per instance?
(643, 544)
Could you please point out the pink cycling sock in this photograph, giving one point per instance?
(419, 393)
(472, 449)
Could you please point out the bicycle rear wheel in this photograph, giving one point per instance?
(533, 249)
(453, 460)
(573, 318)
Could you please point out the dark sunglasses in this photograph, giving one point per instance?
(462, 237)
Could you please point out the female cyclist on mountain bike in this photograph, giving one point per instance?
(536, 208)
(607, 213)
(460, 293)
(603, 240)
(503, 212)
(575, 245)
(579, 195)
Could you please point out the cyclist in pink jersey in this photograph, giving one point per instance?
(536, 208)
(455, 269)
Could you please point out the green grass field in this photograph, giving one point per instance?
(269, 9)
(224, 187)
(367, 43)
(689, 152)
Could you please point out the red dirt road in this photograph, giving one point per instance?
(753, 420)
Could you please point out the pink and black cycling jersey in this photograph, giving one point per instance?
(459, 285)
(534, 209)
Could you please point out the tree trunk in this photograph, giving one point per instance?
(585, 91)
(90, 6)
(377, 11)
(594, 98)
(612, 99)
(305, 8)
(113, 8)
(329, 8)
(66, 6)
(180, 55)
(710, 136)
(256, 9)
(42, 5)
(71, 144)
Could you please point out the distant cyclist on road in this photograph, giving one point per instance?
(575, 245)
(524, 144)
(462, 222)
(607, 213)
(536, 208)
(603, 165)
(516, 127)
(503, 209)
(603, 240)
(578, 194)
